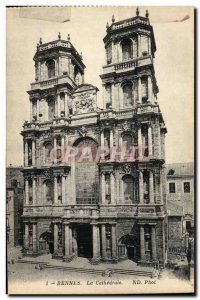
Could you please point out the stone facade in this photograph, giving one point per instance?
(106, 207)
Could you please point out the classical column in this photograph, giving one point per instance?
(67, 189)
(117, 188)
(34, 190)
(26, 192)
(63, 147)
(142, 245)
(26, 236)
(151, 188)
(38, 109)
(96, 244)
(34, 237)
(31, 110)
(121, 188)
(67, 248)
(149, 88)
(140, 148)
(55, 190)
(55, 231)
(73, 182)
(103, 240)
(25, 153)
(153, 242)
(102, 138)
(141, 188)
(103, 188)
(112, 188)
(149, 139)
(63, 188)
(139, 91)
(55, 150)
(114, 241)
(33, 152)
(139, 45)
(111, 138)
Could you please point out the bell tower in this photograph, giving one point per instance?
(128, 74)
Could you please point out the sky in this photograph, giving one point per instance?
(174, 66)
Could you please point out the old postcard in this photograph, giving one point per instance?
(100, 150)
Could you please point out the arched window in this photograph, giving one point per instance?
(48, 190)
(127, 95)
(127, 140)
(51, 107)
(50, 68)
(126, 45)
(144, 84)
(62, 103)
(128, 186)
(48, 155)
(108, 95)
(109, 53)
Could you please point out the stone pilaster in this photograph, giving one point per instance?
(114, 241)
(149, 89)
(103, 189)
(25, 153)
(33, 152)
(150, 150)
(96, 244)
(151, 188)
(55, 230)
(103, 240)
(153, 242)
(112, 188)
(38, 109)
(63, 188)
(68, 243)
(55, 150)
(26, 191)
(34, 190)
(102, 138)
(55, 190)
(121, 188)
(142, 243)
(34, 238)
(140, 146)
(139, 91)
(26, 236)
(141, 187)
(63, 147)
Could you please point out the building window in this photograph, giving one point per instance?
(50, 68)
(109, 53)
(108, 95)
(146, 186)
(126, 49)
(59, 183)
(144, 84)
(51, 107)
(107, 179)
(128, 186)
(172, 187)
(49, 190)
(127, 141)
(29, 153)
(48, 153)
(127, 95)
(30, 188)
(186, 187)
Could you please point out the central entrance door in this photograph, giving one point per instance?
(84, 240)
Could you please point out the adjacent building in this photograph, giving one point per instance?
(14, 205)
(180, 201)
(104, 207)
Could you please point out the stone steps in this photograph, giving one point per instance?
(106, 272)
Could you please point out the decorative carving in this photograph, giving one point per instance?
(83, 131)
(85, 102)
(126, 126)
(127, 168)
(47, 173)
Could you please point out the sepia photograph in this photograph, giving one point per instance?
(100, 174)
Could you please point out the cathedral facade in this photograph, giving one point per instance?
(94, 177)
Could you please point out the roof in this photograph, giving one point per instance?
(180, 169)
